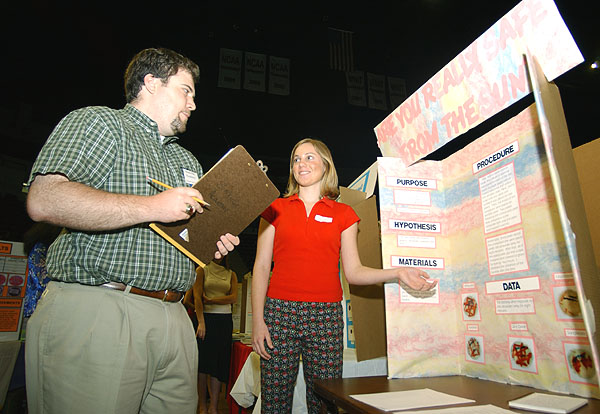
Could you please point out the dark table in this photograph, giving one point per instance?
(338, 391)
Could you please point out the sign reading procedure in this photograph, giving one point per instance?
(496, 157)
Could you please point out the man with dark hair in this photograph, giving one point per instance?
(110, 333)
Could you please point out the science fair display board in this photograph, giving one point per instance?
(13, 282)
(500, 224)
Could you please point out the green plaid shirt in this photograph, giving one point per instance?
(115, 150)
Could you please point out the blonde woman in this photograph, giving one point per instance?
(297, 311)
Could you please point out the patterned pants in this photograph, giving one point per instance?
(313, 330)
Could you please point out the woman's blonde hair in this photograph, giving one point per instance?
(329, 182)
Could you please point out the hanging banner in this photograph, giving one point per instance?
(255, 72)
(279, 75)
(485, 78)
(230, 69)
(355, 85)
(376, 85)
(397, 90)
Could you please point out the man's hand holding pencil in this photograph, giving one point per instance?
(199, 200)
(182, 200)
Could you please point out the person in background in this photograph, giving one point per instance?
(36, 242)
(211, 297)
(110, 334)
(297, 311)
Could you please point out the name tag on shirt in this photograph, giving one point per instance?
(190, 177)
(323, 219)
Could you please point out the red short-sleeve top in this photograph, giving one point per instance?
(306, 250)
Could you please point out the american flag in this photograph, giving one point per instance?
(341, 52)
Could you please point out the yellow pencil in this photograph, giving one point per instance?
(152, 180)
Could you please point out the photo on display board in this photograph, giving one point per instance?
(470, 303)
(474, 349)
(580, 363)
(522, 354)
(566, 302)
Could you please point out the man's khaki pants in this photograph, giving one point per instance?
(94, 350)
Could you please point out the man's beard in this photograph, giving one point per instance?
(178, 126)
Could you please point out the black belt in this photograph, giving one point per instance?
(164, 295)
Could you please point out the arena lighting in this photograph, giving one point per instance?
(595, 64)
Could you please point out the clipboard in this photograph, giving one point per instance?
(237, 190)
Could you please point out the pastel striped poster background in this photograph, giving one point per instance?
(430, 339)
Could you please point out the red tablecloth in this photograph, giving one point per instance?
(239, 354)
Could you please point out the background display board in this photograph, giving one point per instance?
(501, 225)
(13, 282)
